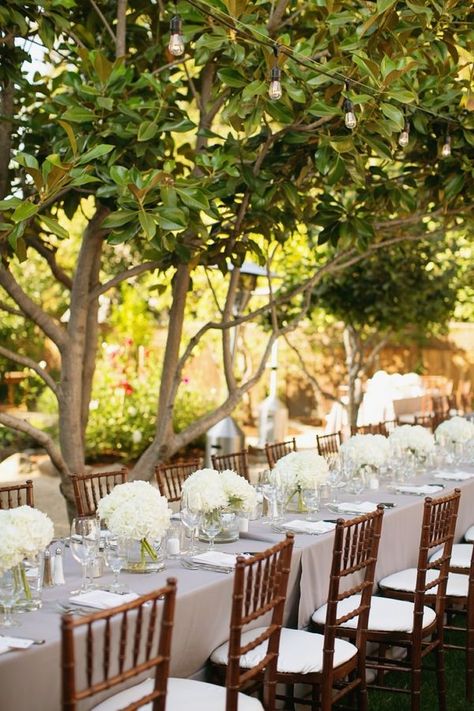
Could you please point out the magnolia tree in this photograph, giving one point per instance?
(187, 162)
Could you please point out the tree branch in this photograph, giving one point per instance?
(6, 125)
(10, 310)
(48, 325)
(29, 363)
(15, 423)
(123, 276)
(121, 38)
(104, 20)
(276, 16)
(314, 382)
(49, 255)
(228, 348)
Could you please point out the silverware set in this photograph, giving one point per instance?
(191, 565)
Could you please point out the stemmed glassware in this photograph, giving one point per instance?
(8, 596)
(115, 552)
(84, 544)
(273, 494)
(190, 520)
(211, 524)
(311, 502)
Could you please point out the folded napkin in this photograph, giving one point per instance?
(223, 560)
(314, 527)
(351, 507)
(101, 599)
(8, 643)
(454, 476)
(425, 490)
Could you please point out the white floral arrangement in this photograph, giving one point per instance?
(300, 470)
(366, 450)
(412, 438)
(136, 511)
(457, 430)
(25, 531)
(207, 490)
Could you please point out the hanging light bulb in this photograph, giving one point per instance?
(404, 136)
(176, 43)
(349, 116)
(446, 149)
(275, 91)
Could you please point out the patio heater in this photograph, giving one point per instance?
(272, 413)
(226, 436)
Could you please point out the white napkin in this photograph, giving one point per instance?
(315, 527)
(8, 643)
(351, 507)
(224, 560)
(425, 490)
(101, 599)
(454, 476)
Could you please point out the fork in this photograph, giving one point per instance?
(211, 568)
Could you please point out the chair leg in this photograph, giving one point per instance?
(469, 658)
(441, 677)
(416, 680)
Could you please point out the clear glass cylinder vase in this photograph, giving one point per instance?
(144, 556)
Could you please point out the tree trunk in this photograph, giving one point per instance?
(354, 357)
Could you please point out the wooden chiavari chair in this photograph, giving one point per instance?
(237, 461)
(16, 495)
(427, 421)
(323, 661)
(89, 489)
(366, 429)
(415, 619)
(171, 477)
(277, 450)
(329, 444)
(116, 645)
(387, 426)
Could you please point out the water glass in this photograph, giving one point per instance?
(190, 520)
(115, 553)
(84, 544)
(8, 597)
(311, 501)
(211, 524)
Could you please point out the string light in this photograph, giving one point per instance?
(349, 116)
(404, 136)
(275, 91)
(176, 43)
(446, 149)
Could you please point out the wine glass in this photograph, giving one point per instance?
(190, 520)
(211, 524)
(311, 501)
(115, 552)
(84, 544)
(8, 596)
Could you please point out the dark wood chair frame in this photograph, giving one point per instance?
(171, 477)
(277, 450)
(387, 426)
(260, 586)
(138, 618)
(366, 429)
(237, 461)
(89, 489)
(328, 444)
(17, 495)
(438, 527)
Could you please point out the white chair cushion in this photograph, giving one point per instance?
(460, 556)
(469, 535)
(405, 581)
(300, 652)
(182, 694)
(386, 614)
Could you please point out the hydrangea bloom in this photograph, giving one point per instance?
(412, 438)
(207, 490)
(300, 470)
(457, 429)
(135, 510)
(366, 450)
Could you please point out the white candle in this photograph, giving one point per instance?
(173, 546)
(243, 524)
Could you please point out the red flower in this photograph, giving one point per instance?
(126, 387)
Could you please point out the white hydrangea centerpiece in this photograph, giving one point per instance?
(300, 470)
(136, 511)
(457, 430)
(208, 490)
(412, 438)
(366, 450)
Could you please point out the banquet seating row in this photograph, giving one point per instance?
(15, 495)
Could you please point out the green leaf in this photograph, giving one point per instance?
(342, 144)
(26, 160)
(179, 126)
(232, 77)
(193, 198)
(70, 134)
(119, 174)
(172, 219)
(378, 147)
(147, 130)
(117, 219)
(105, 102)
(147, 223)
(24, 211)
(295, 93)
(384, 5)
(79, 114)
(96, 152)
(319, 108)
(255, 88)
(454, 185)
(394, 114)
(53, 226)
(10, 203)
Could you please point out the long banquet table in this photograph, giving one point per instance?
(30, 680)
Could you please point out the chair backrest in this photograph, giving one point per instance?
(277, 450)
(171, 477)
(355, 550)
(118, 644)
(260, 585)
(328, 444)
(16, 495)
(89, 489)
(237, 461)
(366, 429)
(387, 426)
(427, 421)
(437, 531)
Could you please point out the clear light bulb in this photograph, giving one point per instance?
(349, 116)
(275, 91)
(404, 138)
(176, 43)
(446, 149)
